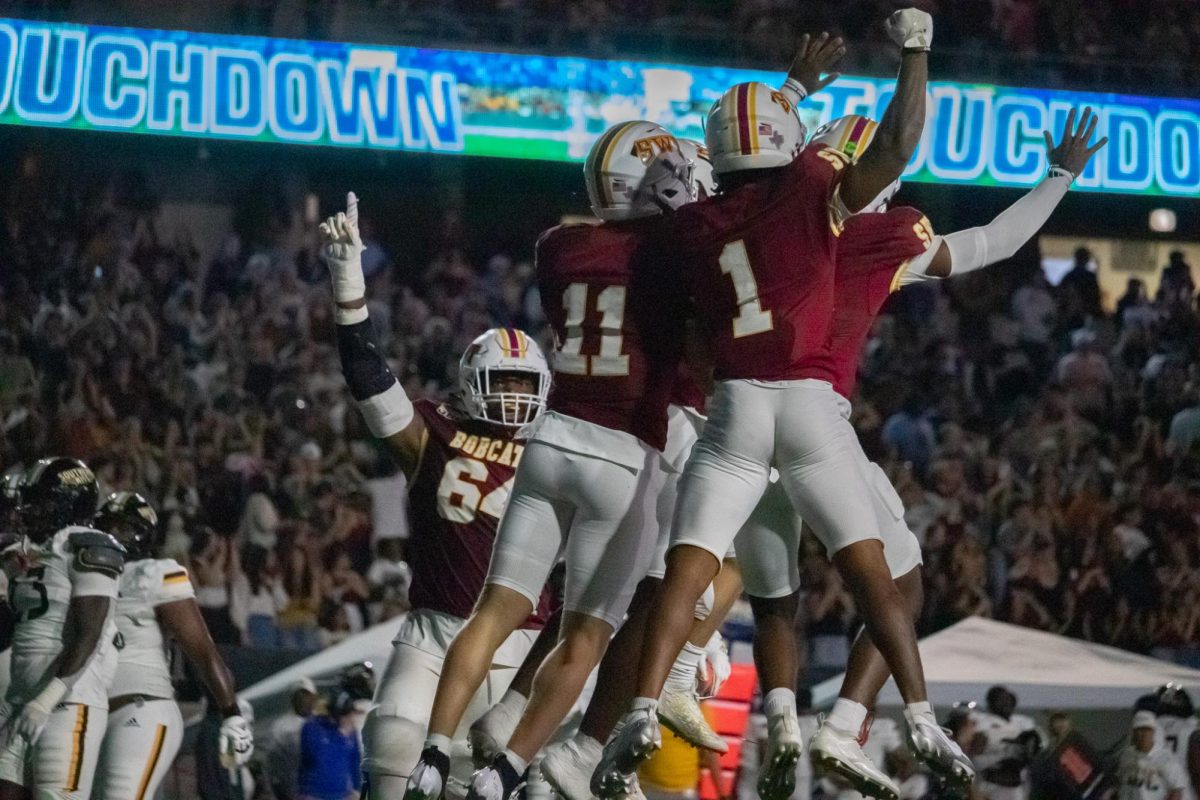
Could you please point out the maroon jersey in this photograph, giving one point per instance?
(617, 330)
(760, 266)
(686, 390)
(456, 497)
(872, 255)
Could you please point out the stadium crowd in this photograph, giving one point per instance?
(1109, 44)
(214, 389)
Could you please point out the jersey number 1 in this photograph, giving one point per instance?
(751, 318)
(610, 303)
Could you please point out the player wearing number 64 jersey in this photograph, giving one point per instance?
(460, 458)
(63, 587)
(145, 727)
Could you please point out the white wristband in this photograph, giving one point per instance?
(794, 91)
(388, 412)
(52, 694)
(349, 316)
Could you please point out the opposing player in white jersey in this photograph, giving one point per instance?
(1180, 733)
(63, 578)
(157, 602)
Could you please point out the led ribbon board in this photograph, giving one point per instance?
(492, 104)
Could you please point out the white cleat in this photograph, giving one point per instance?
(568, 771)
(428, 778)
(933, 746)
(616, 774)
(784, 748)
(489, 735)
(680, 712)
(839, 752)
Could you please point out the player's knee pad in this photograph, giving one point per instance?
(704, 605)
(391, 747)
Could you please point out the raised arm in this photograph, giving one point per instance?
(386, 408)
(900, 130)
(971, 249)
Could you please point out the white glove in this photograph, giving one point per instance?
(716, 668)
(31, 720)
(236, 742)
(341, 250)
(911, 28)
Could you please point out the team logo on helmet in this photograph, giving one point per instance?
(487, 361)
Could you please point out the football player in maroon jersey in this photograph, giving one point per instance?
(880, 253)
(460, 458)
(568, 765)
(760, 264)
(587, 481)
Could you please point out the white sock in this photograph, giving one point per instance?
(518, 763)
(847, 716)
(779, 701)
(682, 677)
(921, 709)
(644, 704)
(513, 702)
(588, 748)
(439, 741)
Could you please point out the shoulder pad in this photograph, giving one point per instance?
(93, 538)
(97, 552)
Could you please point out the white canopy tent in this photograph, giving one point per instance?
(1044, 670)
(373, 644)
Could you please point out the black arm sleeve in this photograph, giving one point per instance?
(363, 365)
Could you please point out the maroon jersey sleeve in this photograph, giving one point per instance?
(872, 255)
(457, 495)
(617, 325)
(762, 270)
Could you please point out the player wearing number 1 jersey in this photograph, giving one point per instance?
(460, 458)
(63, 587)
(761, 271)
(878, 254)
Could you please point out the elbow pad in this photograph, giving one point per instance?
(384, 405)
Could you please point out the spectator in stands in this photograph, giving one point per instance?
(1082, 289)
(283, 743)
(302, 584)
(330, 753)
(1085, 375)
(258, 597)
(1177, 284)
(388, 580)
(1184, 432)
(214, 562)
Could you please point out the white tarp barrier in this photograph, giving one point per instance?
(1044, 670)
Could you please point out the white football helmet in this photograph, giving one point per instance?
(503, 350)
(753, 126)
(703, 182)
(635, 170)
(852, 135)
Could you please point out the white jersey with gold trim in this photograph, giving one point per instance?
(42, 581)
(145, 585)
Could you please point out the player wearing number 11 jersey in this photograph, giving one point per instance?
(585, 484)
(460, 458)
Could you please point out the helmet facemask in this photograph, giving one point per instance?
(668, 185)
(489, 401)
